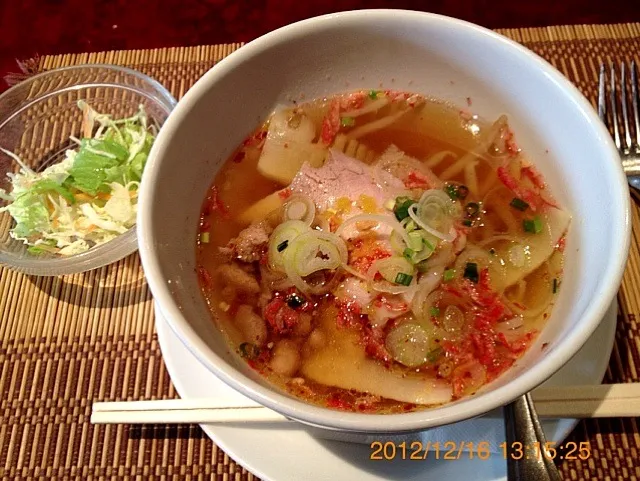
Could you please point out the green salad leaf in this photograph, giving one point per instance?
(88, 198)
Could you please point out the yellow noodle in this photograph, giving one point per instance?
(361, 152)
(371, 107)
(340, 142)
(479, 151)
(471, 177)
(377, 124)
(435, 159)
(351, 147)
(491, 182)
(502, 211)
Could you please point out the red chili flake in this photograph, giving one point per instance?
(383, 301)
(536, 177)
(529, 196)
(286, 145)
(239, 157)
(204, 276)
(484, 347)
(374, 346)
(284, 194)
(253, 365)
(416, 180)
(280, 316)
(337, 403)
(510, 144)
(331, 123)
(348, 314)
(544, 346)
(520, 345)
(469, 101)
(213, 203)
(264, 259)
(256, 140)
(353, 101)
(363, 263)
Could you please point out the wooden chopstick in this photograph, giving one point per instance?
(179, 411)
(606, 400)
(599, 401)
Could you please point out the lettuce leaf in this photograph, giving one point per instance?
(30, 214)
(88, 171)
(48, 185)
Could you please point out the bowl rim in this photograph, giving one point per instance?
(125, 243)
(378, 423)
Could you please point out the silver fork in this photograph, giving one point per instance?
(625, 135)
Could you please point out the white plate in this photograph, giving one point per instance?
(287, 452)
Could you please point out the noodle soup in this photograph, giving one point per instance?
(379, 251)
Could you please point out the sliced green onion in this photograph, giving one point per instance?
(204, 237)
(287, 231)
(311, 252)
(283, 245)
(415, 241)
(471, 272)
(467, 223)
(403, 279)
(519, 204)
(408, 254)
(556, 285)
(435, 213)
(434, 311)
(537, 224)
(347, 121)
(449, 275)
(401, 208)
(389, 268)
(533, 226)
(430, 243)
(373, 94)
(408, 224)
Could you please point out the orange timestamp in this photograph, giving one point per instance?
(453, 450)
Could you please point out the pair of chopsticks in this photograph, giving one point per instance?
(606, 400)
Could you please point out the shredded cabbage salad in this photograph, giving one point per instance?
(88, 198)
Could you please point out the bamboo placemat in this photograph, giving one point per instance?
(69, 340)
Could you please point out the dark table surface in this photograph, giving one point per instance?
(40, 27)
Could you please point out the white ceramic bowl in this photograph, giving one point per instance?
(419, 52)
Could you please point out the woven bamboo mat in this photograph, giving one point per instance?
(69, 340)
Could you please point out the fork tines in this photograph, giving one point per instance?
(619, 97)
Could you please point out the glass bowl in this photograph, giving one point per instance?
(37, 118)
